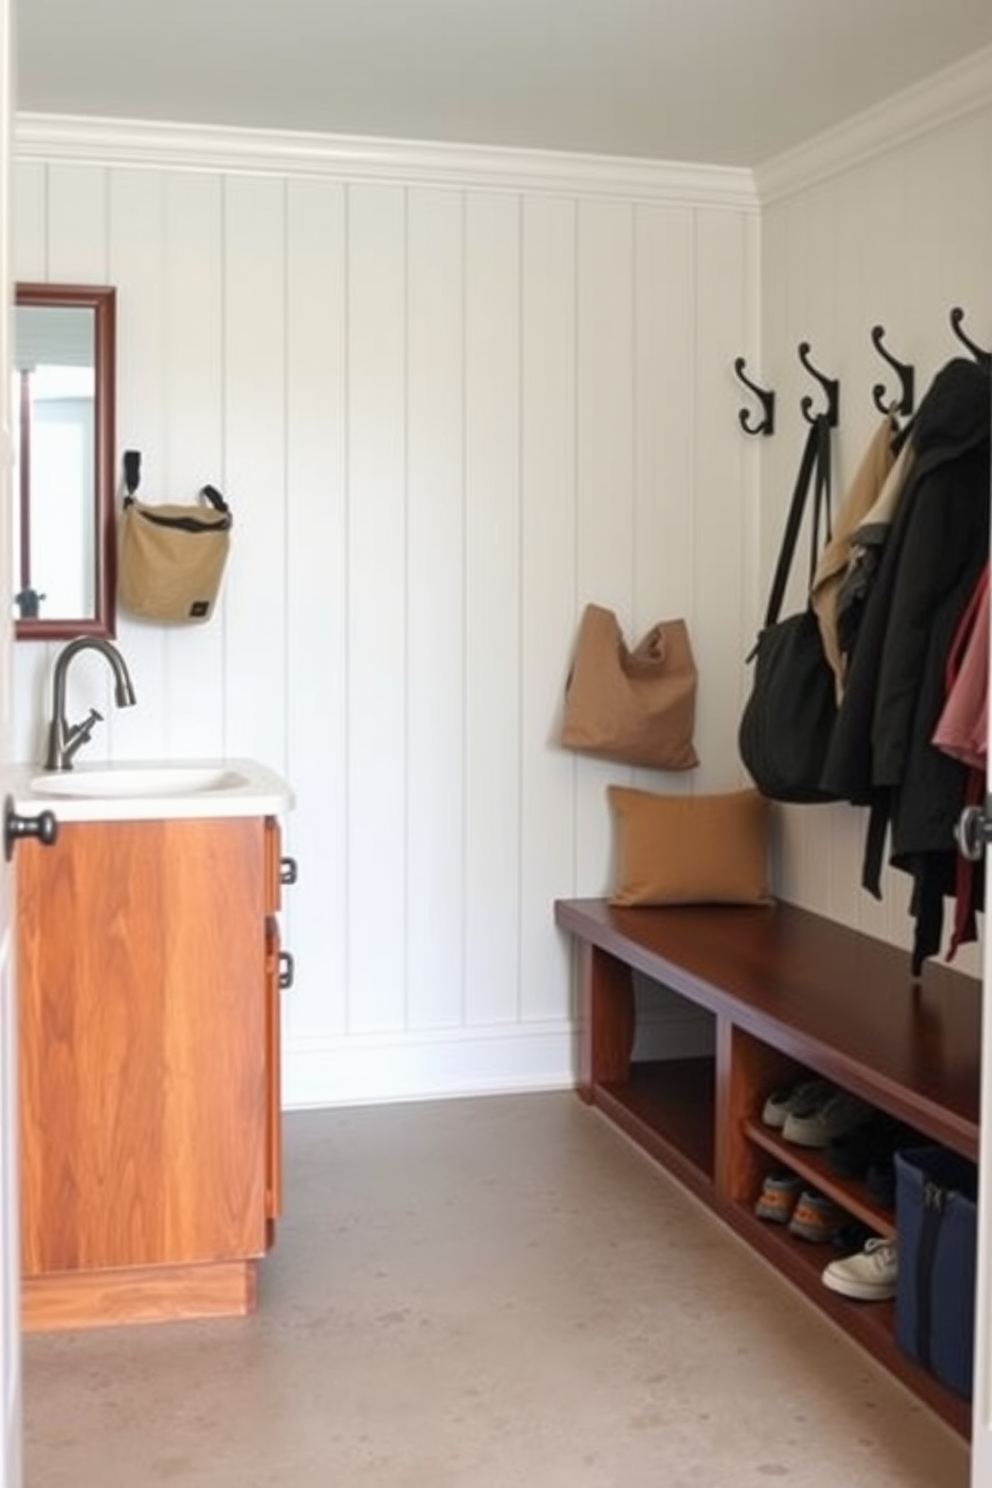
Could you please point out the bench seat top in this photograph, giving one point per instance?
(835, 998)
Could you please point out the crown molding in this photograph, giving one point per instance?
(942, 99)
(133, 143)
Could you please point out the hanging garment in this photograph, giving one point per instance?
(962, 732)
(963, 727)
(880, 751)
(866, 547)
(863, 492)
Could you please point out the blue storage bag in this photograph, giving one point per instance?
(936, 1234)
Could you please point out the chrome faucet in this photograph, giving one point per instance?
(64, 738)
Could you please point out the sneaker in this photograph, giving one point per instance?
(778, 1197)
(803, 1097)
(836, 1114)
(874, 1141)
(816, 1218)
(868, 1277)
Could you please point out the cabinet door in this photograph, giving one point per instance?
(273, 1060)
(143, 1027)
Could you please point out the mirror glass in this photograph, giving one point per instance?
(63, 423)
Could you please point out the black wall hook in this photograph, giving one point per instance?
(885, 402)
(766, 424)
(978, 352)
(830, 386)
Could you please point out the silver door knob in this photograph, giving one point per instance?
(972, 833)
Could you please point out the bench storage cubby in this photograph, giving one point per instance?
(791, 995)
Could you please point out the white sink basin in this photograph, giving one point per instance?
(146, 790)
(139, 780)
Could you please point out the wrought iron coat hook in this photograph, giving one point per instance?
(830, 386)
(766, 424)
(885, 402)
(978, 352)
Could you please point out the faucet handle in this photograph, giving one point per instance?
(79, 735)
(85, 728)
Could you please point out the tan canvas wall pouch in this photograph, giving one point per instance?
(638, 706)
(171, 558)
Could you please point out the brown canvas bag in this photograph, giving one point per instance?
(171, 558)
(635, 707)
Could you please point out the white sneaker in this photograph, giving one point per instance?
(795, 1100)
(869, 1276)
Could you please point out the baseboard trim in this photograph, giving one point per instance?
(378, 1068)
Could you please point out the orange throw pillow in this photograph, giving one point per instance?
(708, 849)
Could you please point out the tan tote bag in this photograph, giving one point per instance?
(635, 707)
(171, 558)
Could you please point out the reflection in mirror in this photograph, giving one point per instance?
(63, 421)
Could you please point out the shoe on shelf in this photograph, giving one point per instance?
(869, 1276)
(816, 1218)
(853, 1154)
(837, 1113)
(852, 1236)
(880, 1181)
(850, 1155)
(778, 1197)
(802, 1097)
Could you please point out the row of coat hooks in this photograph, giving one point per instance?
(900, 403)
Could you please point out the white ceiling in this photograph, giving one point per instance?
(732, 82)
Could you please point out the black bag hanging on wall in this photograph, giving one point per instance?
(785, 727)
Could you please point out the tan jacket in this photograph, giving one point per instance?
(863, 494)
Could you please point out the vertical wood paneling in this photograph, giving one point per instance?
(29, 227)
(445, 421)
(377, 642)
(78, 248)
(136, 260)
(493, 678)
(547, 594)
(605, 463)
(664, 349)
(253, 612)
(317, 601)
(193, 453)
(898, 240)
(718, 511)
(435, 616)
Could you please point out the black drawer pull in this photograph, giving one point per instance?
(288, 871)
(287, 970)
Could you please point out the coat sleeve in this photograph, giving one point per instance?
(938, 569)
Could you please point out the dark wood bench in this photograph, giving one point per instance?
(786, 993)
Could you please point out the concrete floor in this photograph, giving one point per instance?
(479, 1294)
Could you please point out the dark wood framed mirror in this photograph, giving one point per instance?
(64, 381)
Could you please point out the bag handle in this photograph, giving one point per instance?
(215, 498)
(132, 474)
(814, 474)
(132, 480)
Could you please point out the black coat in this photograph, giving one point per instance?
(880, 752)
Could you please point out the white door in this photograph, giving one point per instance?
(981, 1436)
(981, 1452)
(10, 1355)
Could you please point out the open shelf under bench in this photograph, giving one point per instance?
(787, 993)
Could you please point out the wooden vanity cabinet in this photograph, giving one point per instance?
(148, 986)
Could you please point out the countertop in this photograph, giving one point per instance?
(149, 790)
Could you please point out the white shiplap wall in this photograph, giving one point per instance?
(886, 226)
(451, 399)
